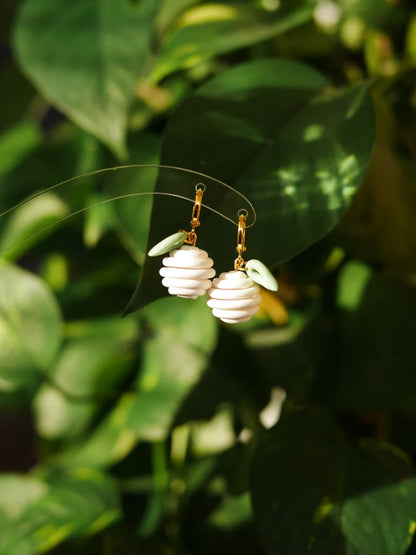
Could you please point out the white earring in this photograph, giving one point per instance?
(235, 296)
(187, 271)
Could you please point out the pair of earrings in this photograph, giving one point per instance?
(187, 271)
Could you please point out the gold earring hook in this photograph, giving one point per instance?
(191, 235)
(239, 262)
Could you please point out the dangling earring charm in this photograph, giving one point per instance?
(187, 271)
(235, 296)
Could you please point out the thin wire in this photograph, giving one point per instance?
(115, 168)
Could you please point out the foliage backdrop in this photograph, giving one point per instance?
(159, 432)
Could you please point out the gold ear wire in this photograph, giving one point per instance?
(191, 235)
(239, 262)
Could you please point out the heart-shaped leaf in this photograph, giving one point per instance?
(88, 61)
(277, 132)
(181, 335)
(314, 492)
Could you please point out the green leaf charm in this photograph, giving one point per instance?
(169, 243)
(259, 273)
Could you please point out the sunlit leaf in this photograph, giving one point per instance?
(211, 29)
(276, 132)
(213, 436)
(353, 280)
(18, 492)
(169, 11)
(73, 505)
(30, 327)
(411, 40)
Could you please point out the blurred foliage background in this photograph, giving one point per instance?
(164, 432)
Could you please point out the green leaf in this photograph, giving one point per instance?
(88, 61)
(290, 357)
(274, 130)
(28, 220)
(111, 441)
(212, 29)
(30, 328)
(171, 242)
(134, 212)
(37, 172)
(232, 512)
(83, 379)
(72, 505)
(99, 219)
(314, 492)
(381, 14)
(16, 143)
(352, 282)
(375, 357)
(18, 492)
(411, 40)
(258, 272)
(182, 336)
(170, 10)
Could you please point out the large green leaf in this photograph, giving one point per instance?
(84, 378)
(375, 355)
(182, 335)
(85, 56)
(30, 327)
(278, 133)
(211, 29)
(174, 357)
(313, 492)
(72, 505)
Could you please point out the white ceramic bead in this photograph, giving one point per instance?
(187, 271)
(234, 297)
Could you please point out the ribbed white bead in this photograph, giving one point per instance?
(187, 272)
(234, 297)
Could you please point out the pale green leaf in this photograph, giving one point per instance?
(30, 327)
